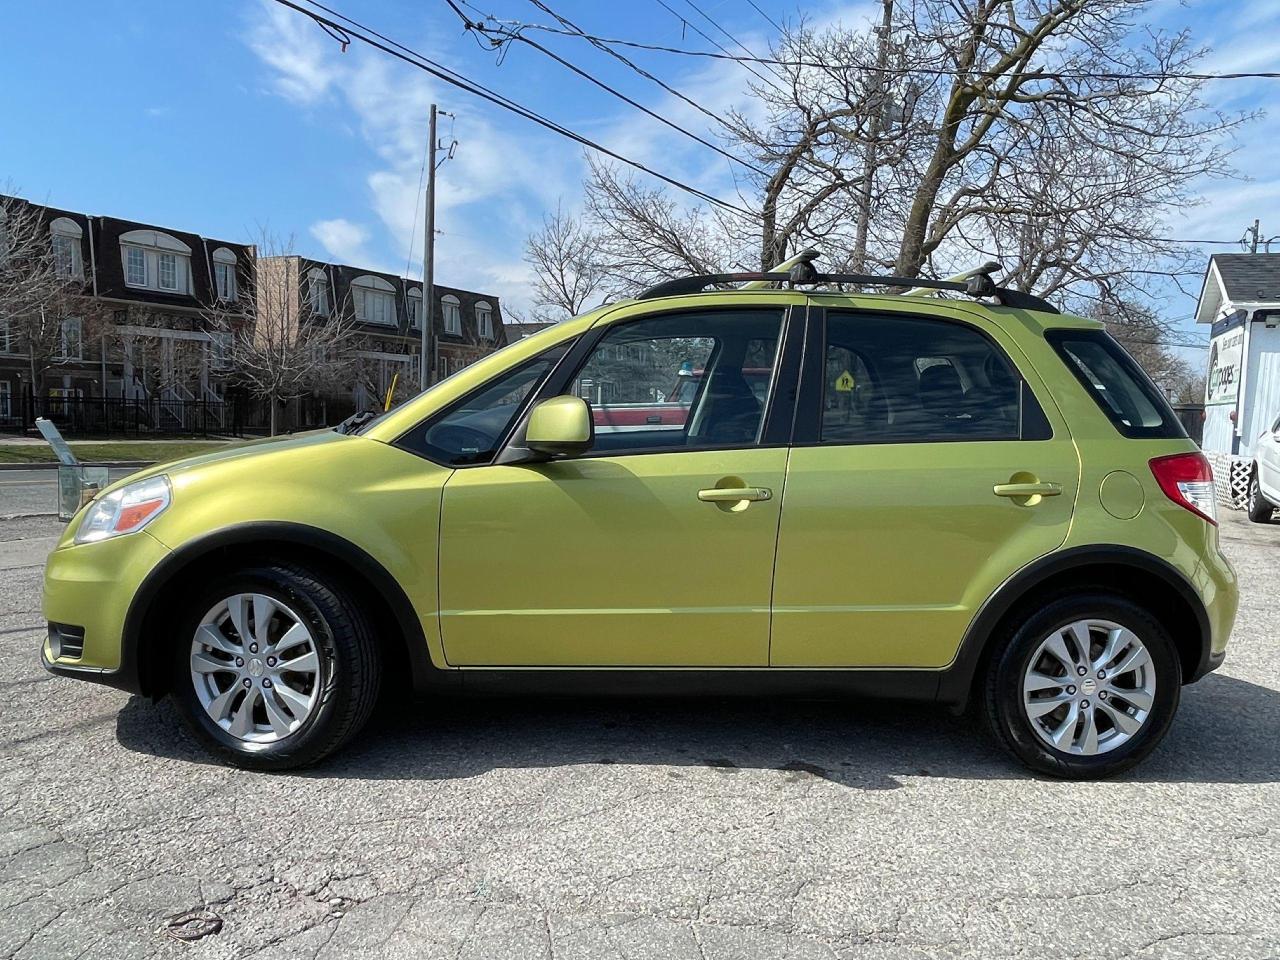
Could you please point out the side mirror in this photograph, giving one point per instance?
(560, 427)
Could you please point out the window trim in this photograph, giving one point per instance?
(811, 395)
(66, 229)
(317, 277)
(484, 312)
(447, 301)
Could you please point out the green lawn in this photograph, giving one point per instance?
(109, 450)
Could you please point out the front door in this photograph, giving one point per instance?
(924, 474)
(635, 554)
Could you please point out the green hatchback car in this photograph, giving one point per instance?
(972, 500)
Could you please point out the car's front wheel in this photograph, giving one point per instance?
(1084, 687)
(1261, 509)
(275, 667)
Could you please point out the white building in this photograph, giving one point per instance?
(1241, 300)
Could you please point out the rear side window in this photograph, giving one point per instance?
(1119, 387)
(901, 379)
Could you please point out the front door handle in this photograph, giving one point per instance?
(1027, 489)
(734, 494)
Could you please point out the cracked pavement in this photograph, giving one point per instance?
(636, 829)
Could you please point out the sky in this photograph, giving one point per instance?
(229, 118)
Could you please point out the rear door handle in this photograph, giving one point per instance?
(1027, 489)
(734, 494)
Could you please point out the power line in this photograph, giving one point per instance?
(723, 54)
(742, 46)
(412, 57)
(776, 25)
(745, 62)
(506, 35)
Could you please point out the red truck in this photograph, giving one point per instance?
(668, 414)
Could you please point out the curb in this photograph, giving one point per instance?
(53, 465)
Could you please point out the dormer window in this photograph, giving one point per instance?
(67, 258)
(414, 301)
(224, 274)
(156, 261)
(452, 308)
(375, 300)
(318, 292)
(484, 320)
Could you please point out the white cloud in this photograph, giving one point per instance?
(343, 240)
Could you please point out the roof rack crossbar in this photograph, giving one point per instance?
(977, 285)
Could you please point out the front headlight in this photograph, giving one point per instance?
(126, 510)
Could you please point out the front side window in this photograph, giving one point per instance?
(1116, 383)
(471, 430)
(898, 379)
(683, 381)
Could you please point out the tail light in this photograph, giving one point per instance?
(1187, 480)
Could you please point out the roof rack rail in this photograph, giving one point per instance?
(976, 283)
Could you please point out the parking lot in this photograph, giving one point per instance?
(625, 829)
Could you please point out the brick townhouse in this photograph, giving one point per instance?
(136, 332)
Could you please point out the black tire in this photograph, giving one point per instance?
(349, 675)
(1261, 510)
(1007, 718)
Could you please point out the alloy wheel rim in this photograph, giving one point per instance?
(1089, 687)
(255, 668)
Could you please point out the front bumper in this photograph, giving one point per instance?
(92, 586)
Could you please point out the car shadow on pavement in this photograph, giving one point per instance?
(1224, 733)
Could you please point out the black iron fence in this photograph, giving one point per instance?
(113, 416)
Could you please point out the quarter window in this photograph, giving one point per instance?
(685, 381)
(471, 430)
(896, 379)
(1116, 383)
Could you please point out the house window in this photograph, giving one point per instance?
(220, 345)
(66, 247)
(414, 300)
(484, 320)
(452, 314)
(71, 339)
(224, 274)
(375, 300)
(168, 271)
(6, 400)
(156, 261)
(318, 293)
(135, 267)
(6, 336)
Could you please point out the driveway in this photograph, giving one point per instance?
(575, 829)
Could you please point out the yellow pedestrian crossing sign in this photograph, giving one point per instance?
(844, 382)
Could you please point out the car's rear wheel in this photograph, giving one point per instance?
(1084, 687)
(1261, 510)
(275, 667)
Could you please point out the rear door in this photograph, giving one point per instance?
(927, 468)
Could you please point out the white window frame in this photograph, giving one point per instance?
(413, 306)
(224, 275)
(64, 338)
(318, 292)
(67, 235)
(156, 248)
(451, 307)
(375, 300)
(135, 257)
(484, 320)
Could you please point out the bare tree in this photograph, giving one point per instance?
(566, 280)
(281, 349)
(1141, 332)
(1053, 135)
(37, 291)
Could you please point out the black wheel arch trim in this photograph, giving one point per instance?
(956, 683)
(132, 674)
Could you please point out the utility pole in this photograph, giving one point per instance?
(880, 115)
(427, 370)
(1251, 236)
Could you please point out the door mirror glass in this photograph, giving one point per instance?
(560, 427)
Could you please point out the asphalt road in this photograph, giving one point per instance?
(636, 830)
(27, 492)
